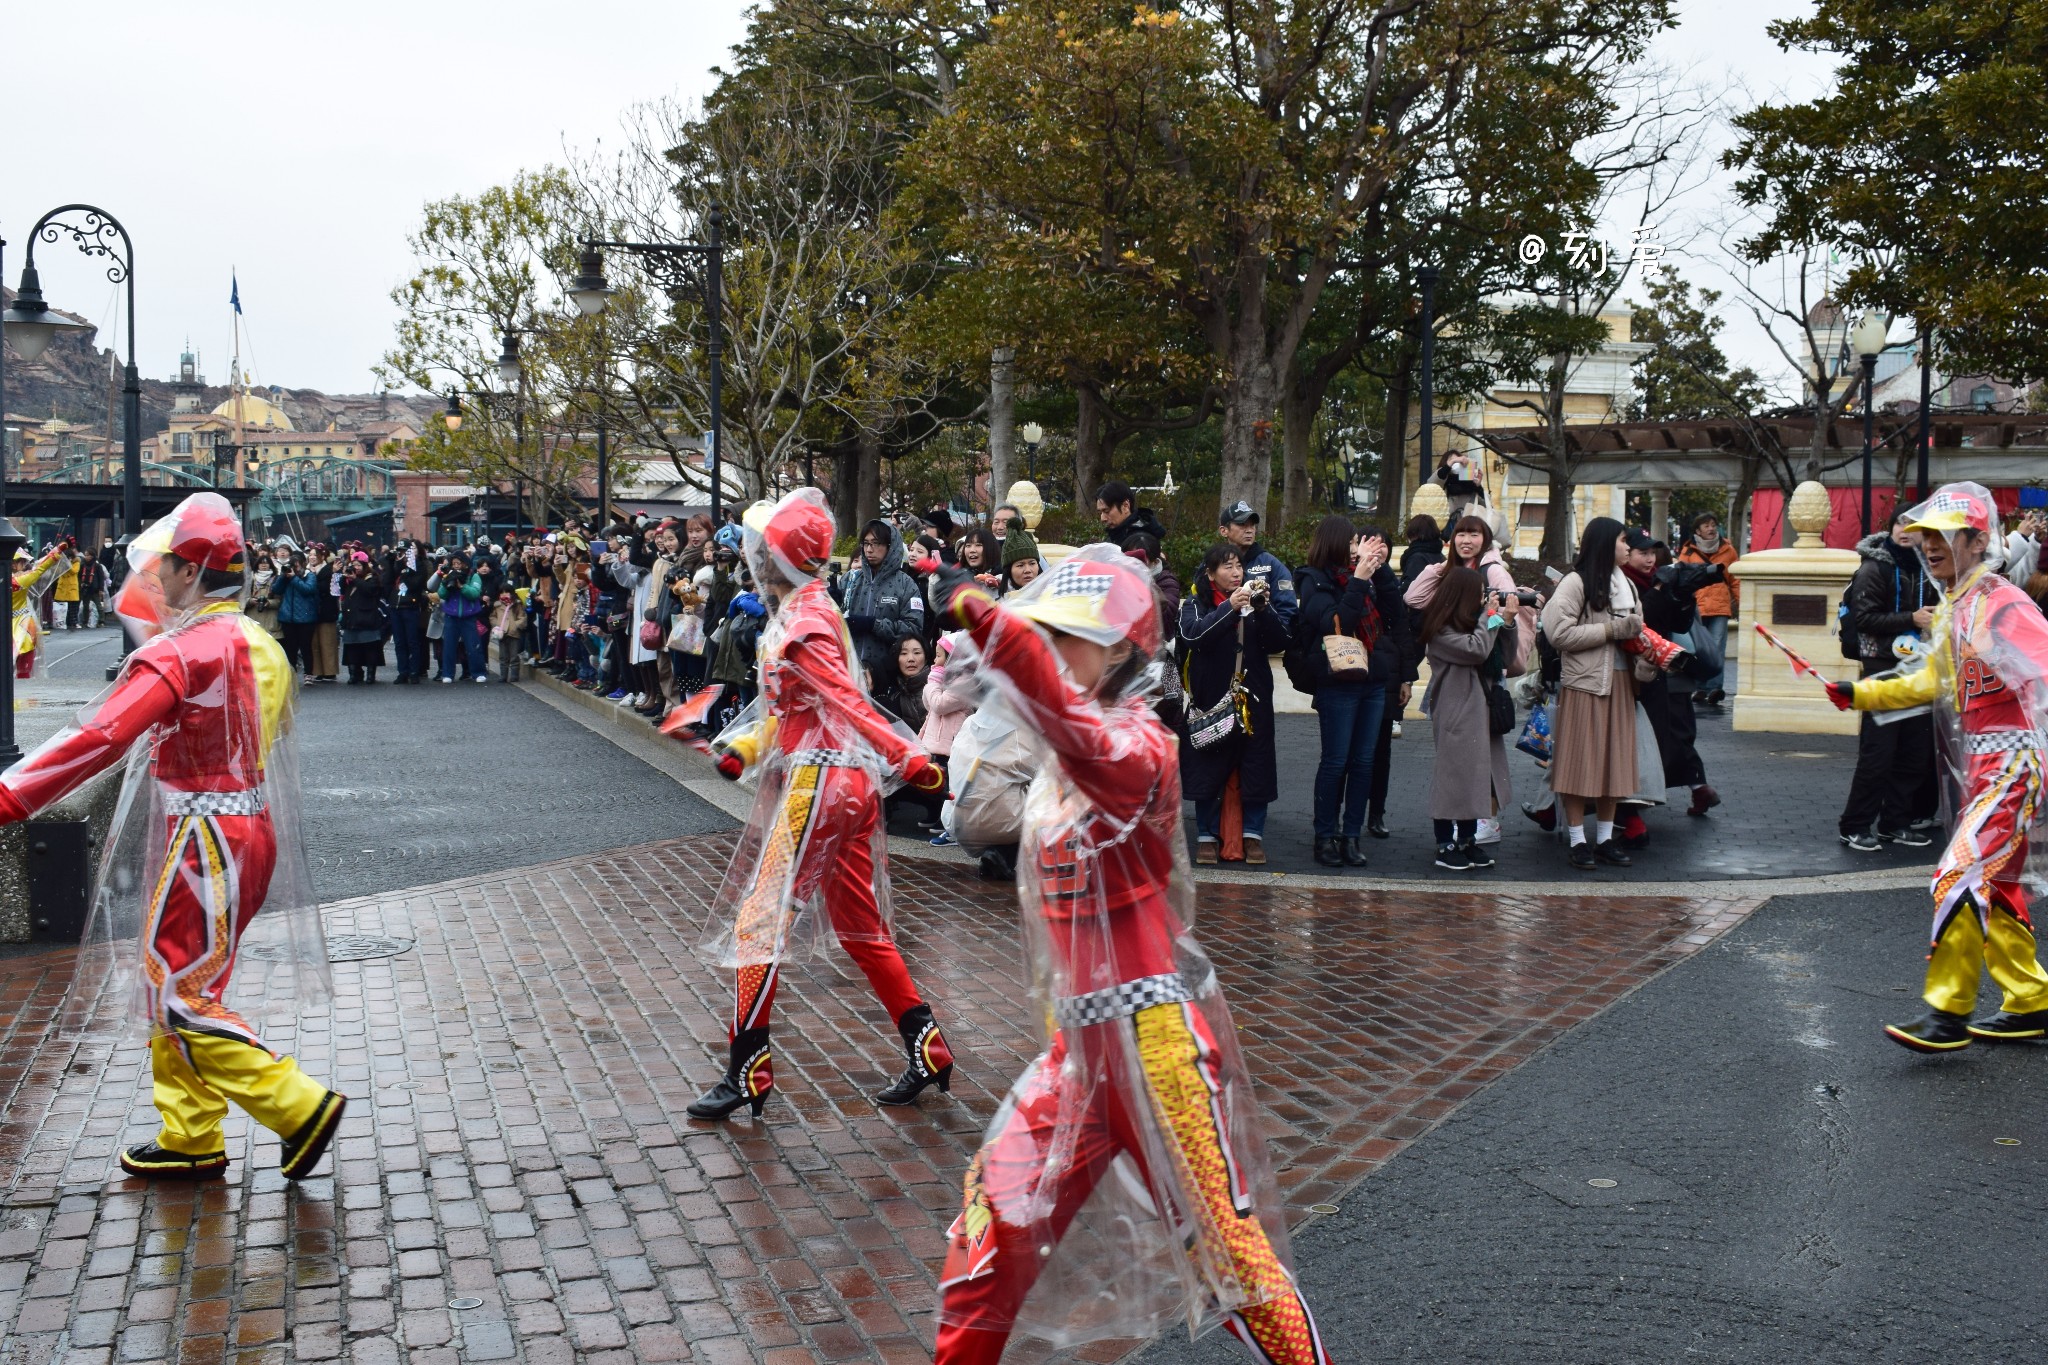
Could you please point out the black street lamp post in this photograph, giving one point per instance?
(676, 267)
(1926, 433)
(11, 539)
(31, 326)
(1428, 275)
(500, 406)
(1868, 339)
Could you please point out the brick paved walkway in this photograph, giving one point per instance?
(518, 1136)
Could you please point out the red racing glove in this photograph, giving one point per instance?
(924, 775)
(730, 767)
(1843, 695)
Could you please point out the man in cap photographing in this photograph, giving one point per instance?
(1264, 574)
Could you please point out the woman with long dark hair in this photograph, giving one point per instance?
(1347, 589)
(1594, 730)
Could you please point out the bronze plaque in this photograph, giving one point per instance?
(1799, 609)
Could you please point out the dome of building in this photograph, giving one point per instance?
(257, 411)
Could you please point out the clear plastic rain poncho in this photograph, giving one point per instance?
(820, 753)
(203, 910)
(1137, 1121)
(1986, 675)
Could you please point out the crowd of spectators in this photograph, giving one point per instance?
(1622, 652)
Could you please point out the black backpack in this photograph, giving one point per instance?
(1303, 658)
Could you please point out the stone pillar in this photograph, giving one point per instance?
(1795, 592)
(1660, 515)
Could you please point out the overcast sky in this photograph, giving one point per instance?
(295, 143)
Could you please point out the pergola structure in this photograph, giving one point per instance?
(1991, 448)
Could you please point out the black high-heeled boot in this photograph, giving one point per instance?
(748, 1079)
(931, 1061)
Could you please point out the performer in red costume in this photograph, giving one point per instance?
(1140, 1099)
(210, 693)
(816, 840)
(1987, 677)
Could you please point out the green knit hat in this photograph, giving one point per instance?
(1018, 545)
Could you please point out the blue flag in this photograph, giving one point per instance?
(234, 291)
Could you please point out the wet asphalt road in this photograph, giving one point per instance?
(1790, 1186)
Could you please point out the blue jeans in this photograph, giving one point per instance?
(406, 642)
(1209, 818)
(1350, 720)
(462, 648)
(1716, 628)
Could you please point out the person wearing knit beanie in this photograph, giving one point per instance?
(1020, 548)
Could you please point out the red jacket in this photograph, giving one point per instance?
(1105, 861)
(218, 688)
(807, 661)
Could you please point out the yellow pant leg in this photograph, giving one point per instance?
(2009, 955)
(271, 1090)
(189, 1107)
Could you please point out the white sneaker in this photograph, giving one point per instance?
(447, 680)
(1397, 729)
(480, 678)
(1489, 831)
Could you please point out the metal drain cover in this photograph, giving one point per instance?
(340, 948)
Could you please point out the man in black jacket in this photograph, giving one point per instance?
(1894, 786)
(1121, 519)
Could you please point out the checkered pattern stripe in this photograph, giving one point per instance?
(201, 804)
(2006, 741)
(827, 758)
(1120, 1001)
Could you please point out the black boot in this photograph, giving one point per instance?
(1354, 856)
(1935, 1031)
(303, 1149)
(748, 1079)
(152, 1162)
(1377, 826)
(1330, 852)
(2007, 1027)
(931, 1061)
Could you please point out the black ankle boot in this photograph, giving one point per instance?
(931, 1061)
(1935, 1031)
(1330, 852)
(1354, 856)
(2007, 1027)
(748, 1079)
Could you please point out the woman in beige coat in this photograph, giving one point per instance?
(1594, 730)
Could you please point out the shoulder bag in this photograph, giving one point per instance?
(1211, 725)
(1347, 656)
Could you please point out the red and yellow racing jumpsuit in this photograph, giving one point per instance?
(2003, 781)
(830, 803)
(1129, 1014)
(27, 630)
(215, 692)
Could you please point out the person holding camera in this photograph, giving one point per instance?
(1460, 632)
(1229, 631)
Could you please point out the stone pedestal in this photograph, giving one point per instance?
(1795, 593)
(1024, 496)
